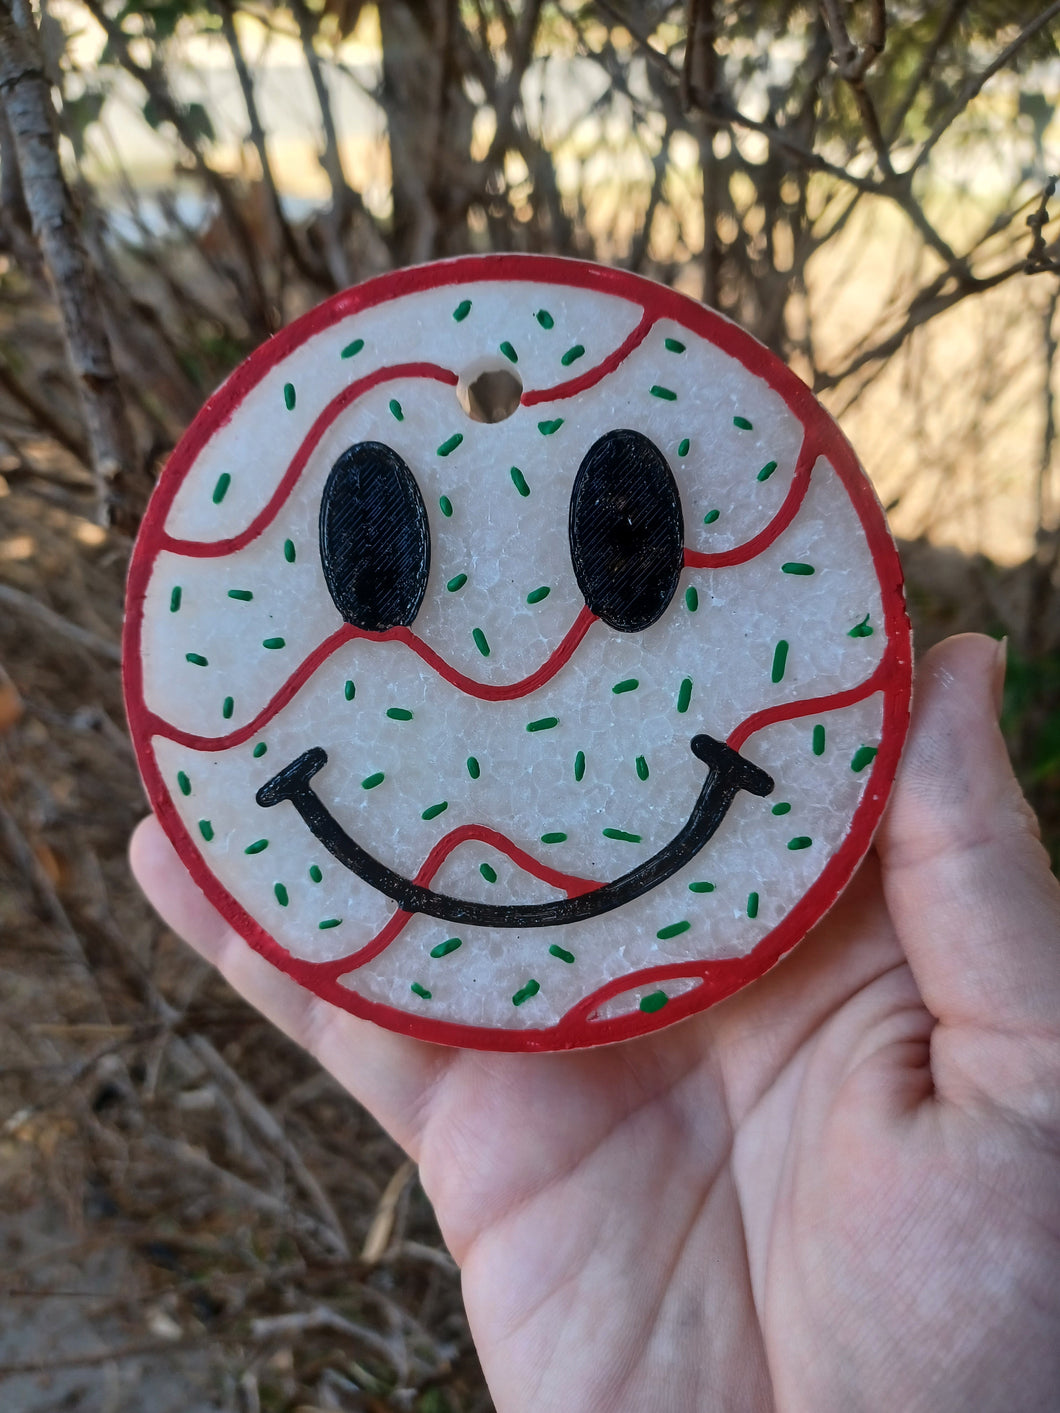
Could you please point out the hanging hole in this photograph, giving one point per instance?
(489, 392)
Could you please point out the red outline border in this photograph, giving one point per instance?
(894, 674)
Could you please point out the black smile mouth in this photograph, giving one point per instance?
(727, 774)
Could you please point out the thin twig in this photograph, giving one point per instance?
(55, 623)
(978, 81)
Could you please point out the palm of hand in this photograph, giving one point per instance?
(839, 1189)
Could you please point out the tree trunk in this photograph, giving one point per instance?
(121, 484)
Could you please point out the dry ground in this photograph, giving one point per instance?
(192, 1216)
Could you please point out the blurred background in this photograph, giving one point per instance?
(192, 1217)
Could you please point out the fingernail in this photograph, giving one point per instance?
(998, 682)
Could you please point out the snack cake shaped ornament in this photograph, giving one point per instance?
(516, 654)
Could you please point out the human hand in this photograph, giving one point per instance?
(839, 1189)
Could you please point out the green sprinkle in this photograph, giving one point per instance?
(462, 310)
(352, 349)
(543, 723)
(691, 598)
(371, 781)
(450, 444)
(752, 905)
(243, 595)
(519, 482)
(184, 783)
(315, 873)
(395, 410)
(674, 929)
(674, 345)
(818, 740)
(863, 756)
(258, 847)
(473, 768)
(684, 694)
(488, 872)
(349, 690)
(197, 659)
(711, 516)
(444, 948)
(780, 660)
(621, 835)
(228, 706)
(456, 582)
(206, 829)
(579, 766)
(561, 953)
(793, 566)
(743, 424)
(433, 811)
(399, 714)
(274, 643)
(281, 894)
(536, 595)
(288, 551)
(509, 352)
(684, 446)
(174, 599)
(572, 355)
(525, 992)
(655, 1002)
(329, 922)
(544, 318)
(288, 396)
(221, 489)
(416, 988)
(547, 428)
(259, 750)
(766, 471)
(701, 887)
(667, 394)
(480, 641)
(629, 685)
(556, 838)
(445, 505)
(642, 768)
(801, 841)
(861, 630)
(782, 808)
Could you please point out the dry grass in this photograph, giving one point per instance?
(263, 1242)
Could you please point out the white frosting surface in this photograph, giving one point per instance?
(219, 651)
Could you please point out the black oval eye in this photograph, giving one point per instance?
(375, 545)
(626, 531)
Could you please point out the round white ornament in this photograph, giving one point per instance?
(516, 654)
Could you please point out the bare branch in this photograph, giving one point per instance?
(946, 27)
(978, 81)
(54, 622)
(922, 310)
(121, 487)
(42, 415)
(156, 86)
(227, 11)
(1039, 257)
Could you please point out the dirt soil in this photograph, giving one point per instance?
(192, 1216)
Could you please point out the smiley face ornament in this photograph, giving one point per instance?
(516, 654)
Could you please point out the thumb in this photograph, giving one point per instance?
(966, 879)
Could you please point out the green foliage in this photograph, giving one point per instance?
(1032, 714)
(80, 113)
